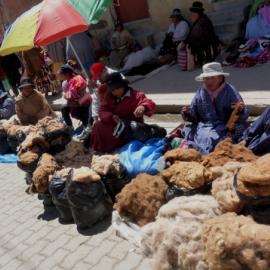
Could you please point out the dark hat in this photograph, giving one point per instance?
(2, 93)
(197, 7)
(66, 69)
(176, 13)
(26, 82)
(115, 81)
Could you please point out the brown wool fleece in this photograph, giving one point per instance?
(141, 199)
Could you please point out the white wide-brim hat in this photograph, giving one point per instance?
(211, 70)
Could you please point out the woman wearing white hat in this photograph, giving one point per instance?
(211, 109)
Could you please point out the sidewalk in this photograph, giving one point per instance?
(30, 239)
(173, 88)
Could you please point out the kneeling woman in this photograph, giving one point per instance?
(121, 103)
(211, 109)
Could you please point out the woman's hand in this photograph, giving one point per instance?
(139, 112)
(116, 118)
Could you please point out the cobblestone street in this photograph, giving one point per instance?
(32, 239)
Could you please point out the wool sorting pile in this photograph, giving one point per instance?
(141, 199)
(106, 165)
(50, 124)
(85, 175)
(236, 242)
(47, 166)
(223, 188)
(30, 151)
(182, 155)
(187, 175)
(75, 155)
(254, 179)
(174, 240)
(225, 152)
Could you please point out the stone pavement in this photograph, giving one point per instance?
(31, 239)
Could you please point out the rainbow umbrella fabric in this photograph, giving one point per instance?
(50, 21)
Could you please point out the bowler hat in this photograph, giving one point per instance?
(197, 7)
(176, 13)
(115, 81)
(26, 82)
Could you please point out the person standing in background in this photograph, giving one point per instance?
(11, 66)
(121, 43)
(57, 52)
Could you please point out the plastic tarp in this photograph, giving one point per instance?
(8, 158)
(138, 157)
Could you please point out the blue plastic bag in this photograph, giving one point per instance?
(8, 158)
(138, 157)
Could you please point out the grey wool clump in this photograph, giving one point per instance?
(174, 240)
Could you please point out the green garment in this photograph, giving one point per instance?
(254, 8)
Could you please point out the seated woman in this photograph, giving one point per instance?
(30, 105)
(78, 99)
(99, 75)
(259, 25)
(202, 40)
(7, 106)
(257, 137)
(121, 43)
(121, 103)
(177, 32)
(211, 109)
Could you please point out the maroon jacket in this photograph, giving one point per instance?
(102, 136)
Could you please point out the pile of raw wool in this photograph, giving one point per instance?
(174, 240)
(182, 155)
(223, 188)
(30, 151)
(254, 179)
(187, 175)
(17, 134)
(50, 124)
(141, 199)
(106, 165)
(47, 166)
(75, 155)
(225, 152)
(85, 175)
(34, 141)
(236, 242)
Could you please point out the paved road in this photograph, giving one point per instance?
(30, 239)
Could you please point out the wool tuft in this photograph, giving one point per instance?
(226, 151)
(47, 166)
(141, 199)
(106, 165)
(174, 240)
(187, 175)
(236, 242)
(223, 188)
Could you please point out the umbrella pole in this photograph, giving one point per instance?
(78, 58)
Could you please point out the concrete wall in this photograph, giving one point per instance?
(11, 9)
(158, 22)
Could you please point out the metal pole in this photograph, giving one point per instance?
(78, 58)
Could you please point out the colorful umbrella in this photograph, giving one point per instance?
(50, 21)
